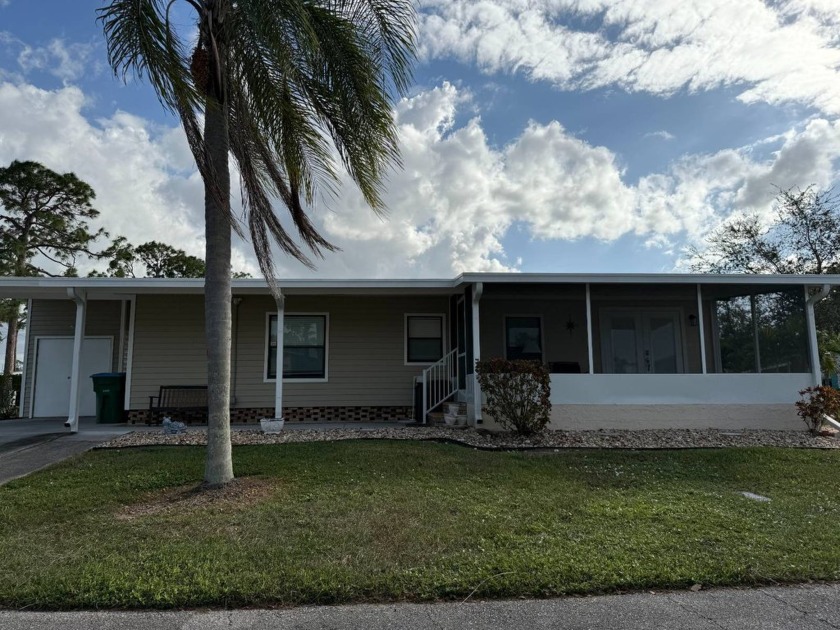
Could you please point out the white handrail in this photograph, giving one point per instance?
(831, 421)
(439, 382)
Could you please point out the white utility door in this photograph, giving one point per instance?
(642, 342)
(52, 374)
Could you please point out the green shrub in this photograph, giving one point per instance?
(518, 393)
(9, 388)
(816, 403)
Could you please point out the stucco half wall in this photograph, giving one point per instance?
(636, 417)
(605, 417)
(674, 401)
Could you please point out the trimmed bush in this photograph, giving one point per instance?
(9, 392)
(518, 393)
(816, 403)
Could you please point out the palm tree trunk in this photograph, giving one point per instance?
(11, 337)
(217, 298)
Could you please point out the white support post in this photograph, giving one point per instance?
(478, 289)
(425, 405)
(811, 325)
(716, 356)
(121, 355)
(132, 312)
(754, 313)
(701, 325)
(75, 380)
(278, 382)
(589, 348)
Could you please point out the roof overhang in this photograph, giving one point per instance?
(652, 278)
(121, 288)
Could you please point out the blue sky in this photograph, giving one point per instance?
(562, 135)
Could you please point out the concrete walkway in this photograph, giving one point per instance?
(30, 445)
(796, 608)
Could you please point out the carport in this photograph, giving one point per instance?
(61, 354)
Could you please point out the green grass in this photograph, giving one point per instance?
(362, 521)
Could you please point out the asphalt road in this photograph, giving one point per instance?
(812, 607)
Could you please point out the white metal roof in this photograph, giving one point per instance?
(103, 288)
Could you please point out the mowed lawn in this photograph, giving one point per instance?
(366, 520)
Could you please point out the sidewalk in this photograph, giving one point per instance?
(813, 607)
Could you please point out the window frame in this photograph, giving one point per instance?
(286, 379)
(443, 337)
(539, 317)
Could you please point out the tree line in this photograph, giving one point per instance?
(801, 235)
(45, 229)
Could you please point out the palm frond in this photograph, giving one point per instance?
(307, 87)
(141, 42)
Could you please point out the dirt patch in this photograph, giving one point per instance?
(239, 494)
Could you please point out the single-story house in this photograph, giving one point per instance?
(624, 350)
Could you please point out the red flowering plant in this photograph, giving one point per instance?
(818, 402)
(517, 392)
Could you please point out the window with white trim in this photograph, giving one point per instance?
(304, 347)
(423, 338)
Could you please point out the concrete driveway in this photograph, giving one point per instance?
(27, 445)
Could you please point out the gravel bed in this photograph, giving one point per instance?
(639, 439)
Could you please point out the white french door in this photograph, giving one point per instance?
(636, 341)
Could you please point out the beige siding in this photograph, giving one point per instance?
(365, 349)
(57, 318)
(168, 345)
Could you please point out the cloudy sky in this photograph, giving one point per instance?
(539, 135)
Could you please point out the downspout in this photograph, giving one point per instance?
(478, 289)
(810, 320)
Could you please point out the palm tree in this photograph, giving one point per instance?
(294, 90)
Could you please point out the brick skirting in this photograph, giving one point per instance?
(303, 414)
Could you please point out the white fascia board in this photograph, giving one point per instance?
(651, 278)
(119, 288)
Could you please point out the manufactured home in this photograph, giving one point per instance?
(624, 350)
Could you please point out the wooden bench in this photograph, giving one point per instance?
(181, 402)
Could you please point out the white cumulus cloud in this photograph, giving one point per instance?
(785, 51)
(68, 61)
(450, 207)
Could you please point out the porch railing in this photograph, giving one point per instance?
(440, 380)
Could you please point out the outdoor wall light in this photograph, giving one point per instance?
(692, 320)
(570, 325)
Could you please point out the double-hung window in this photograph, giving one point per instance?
(304, 347)
(423, 338)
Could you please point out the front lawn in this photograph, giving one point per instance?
(367, 520)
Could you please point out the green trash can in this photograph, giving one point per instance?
(110, 396)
